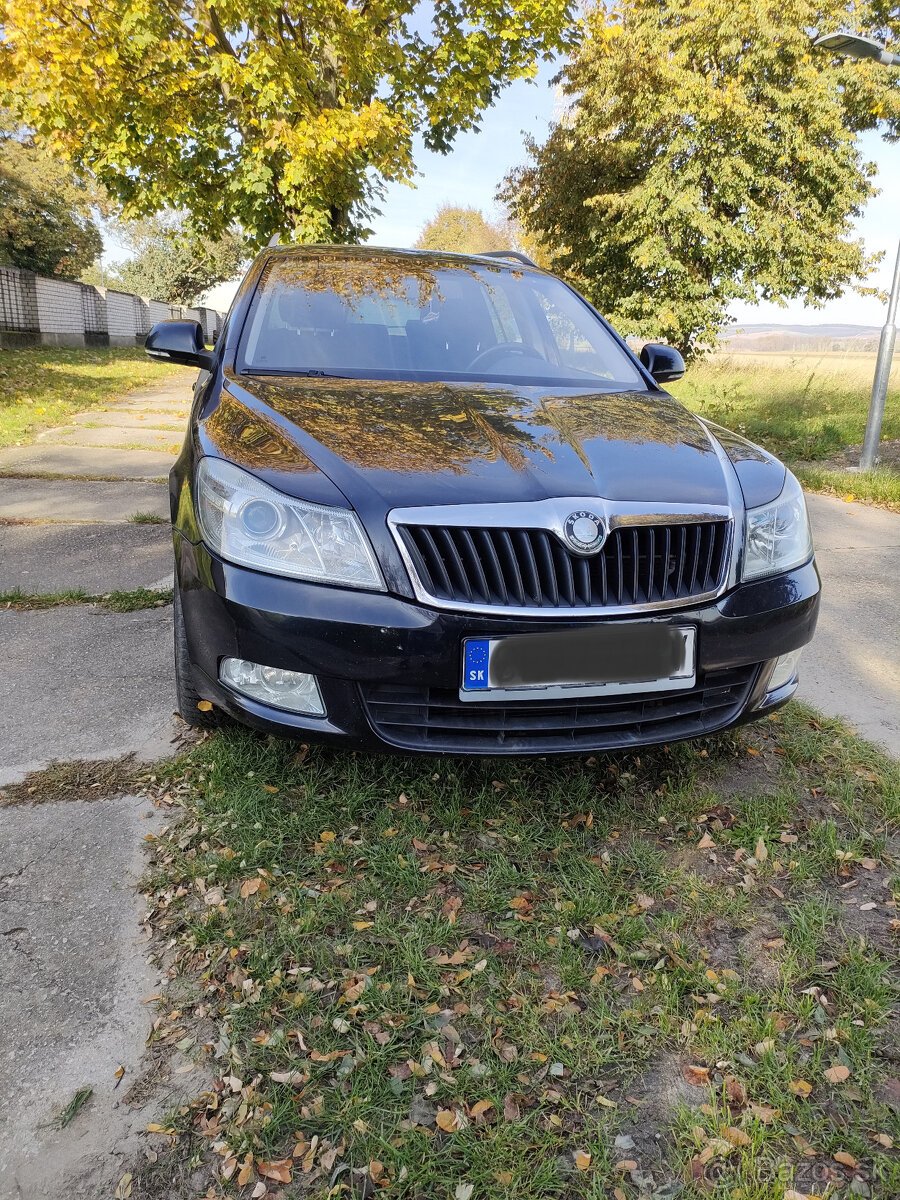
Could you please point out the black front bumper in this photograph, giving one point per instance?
(389, 669)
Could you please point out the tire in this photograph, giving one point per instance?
(187, 695)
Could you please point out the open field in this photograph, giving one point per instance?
(40, 388)
(672, 973)
(803, 407)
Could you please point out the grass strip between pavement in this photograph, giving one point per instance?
(120, 602)
(671, 972)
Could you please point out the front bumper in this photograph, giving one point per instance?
(389, 668)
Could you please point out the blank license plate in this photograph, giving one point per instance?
(609, 660)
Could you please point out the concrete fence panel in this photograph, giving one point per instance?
(39, 310)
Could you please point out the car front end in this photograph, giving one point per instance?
(492, 567)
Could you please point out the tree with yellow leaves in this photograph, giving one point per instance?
(284, 116)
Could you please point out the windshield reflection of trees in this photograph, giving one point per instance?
(413, 426)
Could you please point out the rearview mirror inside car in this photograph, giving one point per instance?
(179, 342)
(664, 363)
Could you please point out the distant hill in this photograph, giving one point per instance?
(825, 338)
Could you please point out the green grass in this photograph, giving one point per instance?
(443, 974)
(804, 408)
(75, 1105)
(145, 518)
(120, 602)
(41, 388)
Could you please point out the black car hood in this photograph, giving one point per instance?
(413, 443)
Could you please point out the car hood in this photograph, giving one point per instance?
(409, 443)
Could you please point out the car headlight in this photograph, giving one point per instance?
(777, 534)
(245, 521)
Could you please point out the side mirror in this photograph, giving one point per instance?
(179, 342)
(664, 363)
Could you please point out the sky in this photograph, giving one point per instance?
(470, 174)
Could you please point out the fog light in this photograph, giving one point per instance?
(291, 690)
(784, 670)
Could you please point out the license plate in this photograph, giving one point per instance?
(606, 660)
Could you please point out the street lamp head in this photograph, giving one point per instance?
(855, 46)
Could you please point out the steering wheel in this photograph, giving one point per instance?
(486, 357)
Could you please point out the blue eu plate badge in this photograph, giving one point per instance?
(475, 667)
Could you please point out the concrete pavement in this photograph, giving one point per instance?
(852, 668)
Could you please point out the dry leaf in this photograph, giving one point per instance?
(737, 1137)
(800, 1087)
(446, 1120)
(123, 1189)
(762, 1112)
(696, 1076)
(376, 1170)
(463, 1191)
(250, 887)
(735, 1092)
(204, 706)
(761, 852)
(582, 1160)
(845, 1159)
(706, 843)
(279, 1171)
(294, 1078)
(838, 1073)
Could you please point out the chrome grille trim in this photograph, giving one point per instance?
(538, 565)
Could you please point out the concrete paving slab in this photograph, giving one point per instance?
(165, 408)
(852, 668)
(73, 974)
(173, 386)
(93, 558)
(81, 461)
(146, 439)
(119, 419)
(82, 682)
(80, 500)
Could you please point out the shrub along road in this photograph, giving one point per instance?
(458, 971)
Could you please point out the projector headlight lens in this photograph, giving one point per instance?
(777, 535)
(245, 521)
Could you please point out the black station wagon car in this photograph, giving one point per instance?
(433, 502)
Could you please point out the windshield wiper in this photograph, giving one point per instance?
(309, 373)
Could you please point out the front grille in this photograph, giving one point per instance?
(531, 568)
(436, 719)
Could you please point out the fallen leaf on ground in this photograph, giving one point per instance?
(838, 1073)
(737, 1137)
(696, 1076)
(279, 1171)
(706, 843)
(845, 1159)
(800, 1087)
(582, 1160)
(463, 1191)
(761, 852)
(762, 1112)
(446, 1120)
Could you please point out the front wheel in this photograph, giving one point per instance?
(187, 695)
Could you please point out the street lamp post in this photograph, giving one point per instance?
(855, 46)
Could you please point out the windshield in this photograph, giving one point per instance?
(397, 317)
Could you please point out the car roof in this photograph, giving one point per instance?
(498, 259)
